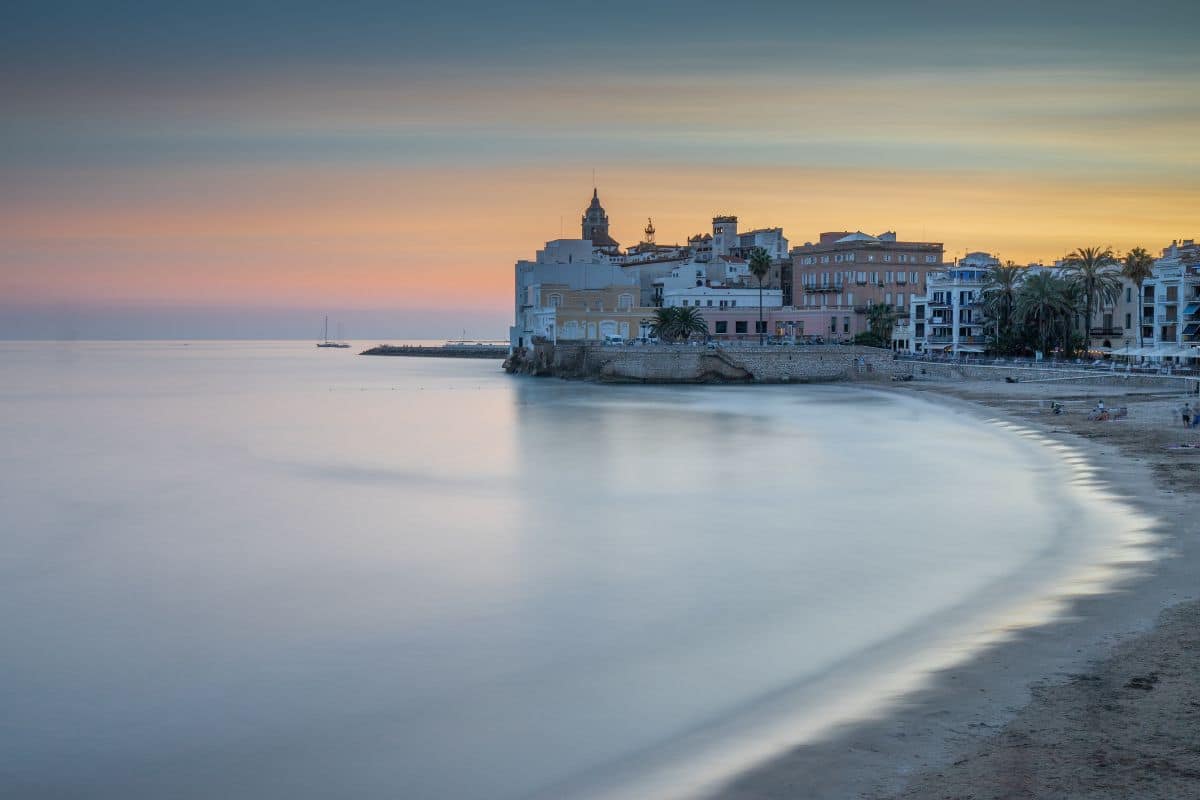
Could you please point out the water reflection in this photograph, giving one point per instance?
(260, 571)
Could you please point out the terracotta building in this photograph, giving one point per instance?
(837, 278)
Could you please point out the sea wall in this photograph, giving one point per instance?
(698, 364)
(1064, 375)
(480, 351)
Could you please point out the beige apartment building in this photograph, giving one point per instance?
(559, 311)
(838, 277)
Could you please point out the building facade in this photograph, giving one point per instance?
(948, 316)
(836, 279)
(1170, 304)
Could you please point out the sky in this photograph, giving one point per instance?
(242, 169)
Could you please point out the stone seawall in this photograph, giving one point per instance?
(688, 364)
(1063, 375)
(797, 364)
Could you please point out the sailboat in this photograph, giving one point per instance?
(326, 342)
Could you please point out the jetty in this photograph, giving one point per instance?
(449, 350)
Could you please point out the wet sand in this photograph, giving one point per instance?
(1104, 703)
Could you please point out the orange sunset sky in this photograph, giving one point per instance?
(166, 171)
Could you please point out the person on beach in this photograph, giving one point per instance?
(1186, 413)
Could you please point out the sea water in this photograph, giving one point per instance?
(265, 570)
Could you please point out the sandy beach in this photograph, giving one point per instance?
(1102, 703)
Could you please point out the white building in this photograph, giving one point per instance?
(948, 317)
(1171, 304)
(718, 297)
(573, 263)
(770, 239)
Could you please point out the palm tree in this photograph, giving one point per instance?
(1094, 271)
(675, 323)
(1138, 266)
(881, 319)
(1000, 301)
(760, 265)
(1045, 304)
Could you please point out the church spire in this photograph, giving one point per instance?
(595, 224)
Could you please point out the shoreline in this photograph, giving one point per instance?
(973, 731)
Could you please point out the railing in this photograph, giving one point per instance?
(1105, 367)
(1107, 331)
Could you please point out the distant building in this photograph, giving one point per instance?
(575, 267)
(1170, 303)
(720, 297)
(948, 317)
(595, 225)
(838, 277)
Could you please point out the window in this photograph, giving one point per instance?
(850, 256)
(833, 324)
(850, 298)
(870, 258)
(914, 277)
(887, 298)
(1128, 296)
(722, 326)
(887, 256)
(930, 259)
(838, 258)
(839, 299)
(888, 277)
(739, 326)
(760, 326)
(555, 300)
(845, 324)
(824, 259)
(733, 302)
(710, 303)
(1128, 321)
(900, 300)
(625, 301)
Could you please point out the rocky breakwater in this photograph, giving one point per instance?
(704, 364)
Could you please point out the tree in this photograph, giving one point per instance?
(674, 323)
(881, 319)
(760, 265)
(1137, 267)
(999, 305)
(1094, 271)
(1046, 304)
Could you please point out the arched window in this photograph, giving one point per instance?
(556, 300)
(625, 301)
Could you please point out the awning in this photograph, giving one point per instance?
(970, 349)
(1191, 327)
(1191, 308)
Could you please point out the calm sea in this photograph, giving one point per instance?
(264, 570)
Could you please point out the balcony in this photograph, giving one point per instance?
(1110, 331)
